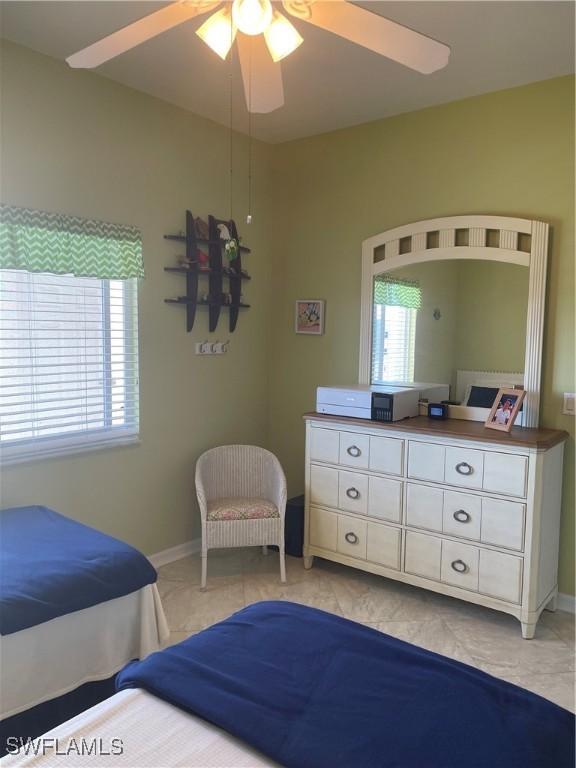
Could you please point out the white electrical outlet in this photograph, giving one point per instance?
(569, 404)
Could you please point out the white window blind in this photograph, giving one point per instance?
(68, 363)
(393, 343)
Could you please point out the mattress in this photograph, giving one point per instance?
(51, 565)
(133, 728)
(45, 661)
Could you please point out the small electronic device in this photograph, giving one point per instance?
(437, 410)
(364, 402)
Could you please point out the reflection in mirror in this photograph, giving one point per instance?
(435, 318)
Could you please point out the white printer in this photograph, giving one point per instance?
(376, 402)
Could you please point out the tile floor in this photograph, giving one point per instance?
(477, 636)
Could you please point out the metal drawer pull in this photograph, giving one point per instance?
(464, 468)
(351, 538)
(353, 493)
(459, 566)
(461, 516)
(354, 451)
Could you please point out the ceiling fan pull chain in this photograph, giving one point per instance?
(231, 97)
(249, 216)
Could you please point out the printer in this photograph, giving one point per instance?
(377, 402)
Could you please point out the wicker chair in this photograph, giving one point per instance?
(241, 491)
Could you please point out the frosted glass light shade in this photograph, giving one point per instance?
(252, 16)
(218, 32)
(282, 38)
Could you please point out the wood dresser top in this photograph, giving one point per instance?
(542, 439)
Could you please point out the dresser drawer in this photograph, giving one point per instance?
(353, 492)
(505, 473)
(383, 545)
(461, 515)
(426, 461)
(503, 523)
(323, 486)
(460, 565)
(354, 450)
(352, 536)
(423, 555)
(386, 455)
(500, 576)
(323, 531)
(385, 499)
(424, 507)
(324, 445)
(464, 466)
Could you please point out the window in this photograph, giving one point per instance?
(395, 305)
(68, 333)
(68, 363)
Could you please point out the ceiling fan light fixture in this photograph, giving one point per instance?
(282, 38)
(219, 32)
(252, 16)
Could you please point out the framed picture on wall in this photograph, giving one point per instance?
(309, 316)
(505, 409)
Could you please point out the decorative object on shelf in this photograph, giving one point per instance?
(231, 249)
(223, 231)
(309, 316)
(505, 409)
(201, 228)
(197, 262)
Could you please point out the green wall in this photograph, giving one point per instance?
(78, 143)
(506, 153)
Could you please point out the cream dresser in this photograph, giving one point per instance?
(448, 506)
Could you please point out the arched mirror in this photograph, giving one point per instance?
(456, 301)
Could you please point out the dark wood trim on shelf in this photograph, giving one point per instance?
(225, 272)
(528, 437)
(216, 274)
(204, 241)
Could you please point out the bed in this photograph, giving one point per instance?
(75, 606)
(285, 684)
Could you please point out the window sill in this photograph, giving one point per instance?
(56, 448)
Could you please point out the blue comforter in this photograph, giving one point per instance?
(312, 690)
(51, 565)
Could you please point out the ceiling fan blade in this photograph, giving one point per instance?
(372, 31)
(262, 78)
(144, 29)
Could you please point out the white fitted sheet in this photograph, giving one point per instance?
(53, 658)
(154, 734)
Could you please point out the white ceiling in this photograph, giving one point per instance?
(329, 83)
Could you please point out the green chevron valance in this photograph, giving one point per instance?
(37, 241)
(395, 292)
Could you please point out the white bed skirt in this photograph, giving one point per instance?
(53, 658)
(134, 728)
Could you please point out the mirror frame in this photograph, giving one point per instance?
(436, 240)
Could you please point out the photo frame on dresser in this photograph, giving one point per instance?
(505, 409)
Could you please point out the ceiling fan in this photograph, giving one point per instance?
(265, 36)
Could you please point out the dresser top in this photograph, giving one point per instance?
(542, 439)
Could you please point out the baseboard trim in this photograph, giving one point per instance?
(566, 602)
(175, 553)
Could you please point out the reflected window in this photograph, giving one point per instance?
(395, 306)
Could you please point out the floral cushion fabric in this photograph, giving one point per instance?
(241, 509)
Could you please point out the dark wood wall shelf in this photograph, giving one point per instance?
(216, 273)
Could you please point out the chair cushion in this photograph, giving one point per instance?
(239, 508)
